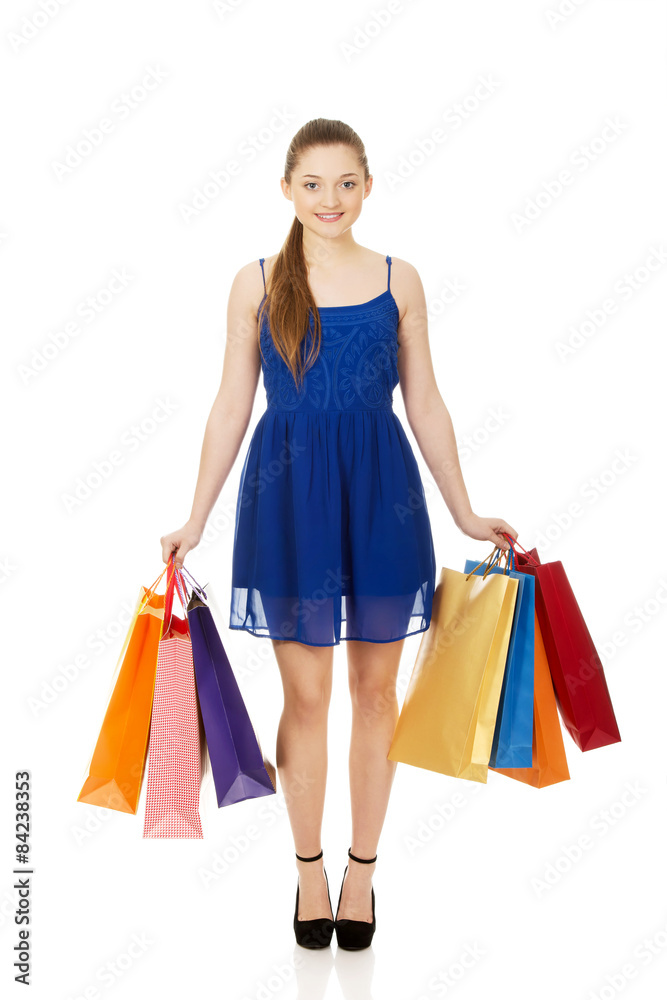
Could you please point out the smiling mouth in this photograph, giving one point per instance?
(329, 216)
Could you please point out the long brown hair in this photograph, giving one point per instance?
(289, 300)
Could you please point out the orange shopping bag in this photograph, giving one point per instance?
(116, 767)
(549, 760)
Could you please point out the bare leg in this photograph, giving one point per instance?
(372, 672)
(301, 761)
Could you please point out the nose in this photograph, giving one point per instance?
(330, 203)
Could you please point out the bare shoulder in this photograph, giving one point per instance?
(406, 287)
(254, 267)
(247, 289)
(249, 276)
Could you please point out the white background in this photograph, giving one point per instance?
(67, 573)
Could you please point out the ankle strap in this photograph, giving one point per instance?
(316, 857)
(363, 861)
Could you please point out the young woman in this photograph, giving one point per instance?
(332, 537)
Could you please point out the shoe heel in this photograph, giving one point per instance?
(315, 933)
(353, 935)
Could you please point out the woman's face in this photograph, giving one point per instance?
(327, 181)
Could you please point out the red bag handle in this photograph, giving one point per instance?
(168, 597)
(512, 542)
(175, 579)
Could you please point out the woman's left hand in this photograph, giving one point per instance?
(487, 529)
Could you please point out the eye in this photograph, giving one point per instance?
(351, 183)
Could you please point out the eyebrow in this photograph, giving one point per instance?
(318, 178)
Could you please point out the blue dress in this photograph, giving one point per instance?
(332, 536)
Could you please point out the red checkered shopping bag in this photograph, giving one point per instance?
(174, 754)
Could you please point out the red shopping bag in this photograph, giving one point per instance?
(581, 690)
(175, 741)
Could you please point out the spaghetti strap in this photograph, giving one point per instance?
(261, 264)
(388, 271)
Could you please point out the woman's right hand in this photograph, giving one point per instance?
(180, 542)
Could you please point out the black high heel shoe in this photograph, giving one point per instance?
(355, 934)
(315, 933)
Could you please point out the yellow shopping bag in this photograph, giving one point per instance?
(448, 717)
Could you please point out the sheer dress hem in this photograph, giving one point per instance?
(329, 619)
(343, 638)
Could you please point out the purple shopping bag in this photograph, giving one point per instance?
(240, 770)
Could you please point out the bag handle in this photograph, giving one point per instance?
(175, 578)
(491, 564)
(510, 564)
(151, 590)
(510, 561)
(512, 542)
(177, 582)
(169, 596)
(195, 586)
(182, 591)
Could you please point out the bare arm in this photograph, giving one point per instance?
(231, 410)
(427, 414)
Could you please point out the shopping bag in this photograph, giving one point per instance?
(116, 767)
(448, 716)
(578, 677)
(174, 749)
(549, 764)
(513, 736)
(240, 769)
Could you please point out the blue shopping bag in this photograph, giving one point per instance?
(513, 735)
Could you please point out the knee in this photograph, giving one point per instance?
(371, 698)
(308, 703)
